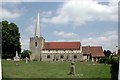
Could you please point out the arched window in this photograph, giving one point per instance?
(67, 56)
(35, 44)
(61, 56)
(75, 56)
(48, 56)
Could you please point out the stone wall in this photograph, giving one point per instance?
(62, 56)
(36, 47)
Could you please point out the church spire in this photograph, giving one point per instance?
(37, 28)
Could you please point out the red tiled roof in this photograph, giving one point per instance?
(62, 45)
(86, 50)
(95, 51)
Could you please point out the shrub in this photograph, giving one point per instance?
(105, 60)
(114, 68)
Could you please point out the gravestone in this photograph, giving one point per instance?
(26, 59)
(72, 69)
(8, 59)
(16, 58)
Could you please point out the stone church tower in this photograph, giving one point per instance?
(36, 42)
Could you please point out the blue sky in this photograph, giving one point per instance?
(86, 21)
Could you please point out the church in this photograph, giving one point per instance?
(61, 51)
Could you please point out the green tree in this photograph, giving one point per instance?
(26, 53)
(0, 39)
(107, 53)
(10, 39)
(107, 59)
(114, 67)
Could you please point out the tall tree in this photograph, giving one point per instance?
(10, 39)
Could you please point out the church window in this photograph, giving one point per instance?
(61, 56)
(75, 56)
(67, 57)
(48, 56)
(35, 44)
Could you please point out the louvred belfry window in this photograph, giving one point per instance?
(48, 56)
(61, 56)
(75, 56)
(35, 44)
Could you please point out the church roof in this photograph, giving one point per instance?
(86, 50)
(94, 51)
(62, 45)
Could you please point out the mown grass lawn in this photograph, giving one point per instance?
(35, 69)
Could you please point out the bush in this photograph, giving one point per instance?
(25, 53)
(114, 61)
(105, 60)
(102, 60)
(114, 68)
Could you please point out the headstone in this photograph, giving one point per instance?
(26, 59)
(116, 52)
(16, 58)
(8, 59)
(72, 69)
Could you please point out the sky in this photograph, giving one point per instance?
(90, 22)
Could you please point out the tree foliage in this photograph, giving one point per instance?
(10, 39)
(0, 39)
(26, 53)
(114, 67)
(107, 53)
(107, 59)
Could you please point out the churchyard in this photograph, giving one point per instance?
(35, 69)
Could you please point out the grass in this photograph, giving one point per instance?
(35, 69)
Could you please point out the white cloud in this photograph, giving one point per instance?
(46, 14)
(31, 27)
(9, 14)
(30, 30)
(113, 2)
(32, 0)
(24, 42)
(12, 1)
(108, 40)
(44, 0)
(79, 12)
(63, 40)
(64, 34)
